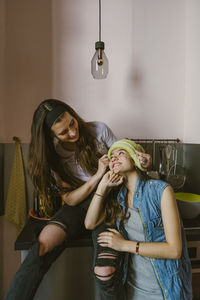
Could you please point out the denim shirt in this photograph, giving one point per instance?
(174, 276)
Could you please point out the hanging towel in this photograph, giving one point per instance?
(15, 209)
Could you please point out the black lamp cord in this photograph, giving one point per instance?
(99, 20)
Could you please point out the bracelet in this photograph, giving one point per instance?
(137, 247)
(99, 195)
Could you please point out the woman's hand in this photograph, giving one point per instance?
(144, 158)
(102, 165)
(109, 180)
(112, 239)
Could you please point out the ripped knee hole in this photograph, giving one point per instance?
(105, 272)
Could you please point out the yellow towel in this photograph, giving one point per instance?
(15, 210)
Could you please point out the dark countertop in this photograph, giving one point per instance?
(27, 236)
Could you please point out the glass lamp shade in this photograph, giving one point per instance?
(99, 63)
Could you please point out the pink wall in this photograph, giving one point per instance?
(2, 68)
(49, 46)
(28, 64)
(192, 99)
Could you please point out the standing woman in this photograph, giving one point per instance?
(144, 222)
(66, 155)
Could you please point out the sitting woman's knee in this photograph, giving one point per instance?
(104, 273)
(50, 237)
(43, 248)
(105, 268)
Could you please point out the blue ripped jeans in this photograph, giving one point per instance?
(108, 271)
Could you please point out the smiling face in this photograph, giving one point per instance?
(66, 130)
(120, 161)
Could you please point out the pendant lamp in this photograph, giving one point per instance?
(99, 63)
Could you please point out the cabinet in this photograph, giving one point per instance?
(196, 286)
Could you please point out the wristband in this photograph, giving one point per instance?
(137, 247)
(99, 195)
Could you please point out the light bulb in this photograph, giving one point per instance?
(99, 63)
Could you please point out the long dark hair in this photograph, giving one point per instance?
(113, 210)
(43, 159)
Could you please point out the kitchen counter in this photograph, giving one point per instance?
(27, 236)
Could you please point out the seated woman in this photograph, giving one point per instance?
(144, 222)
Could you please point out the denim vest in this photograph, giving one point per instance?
(174, 276)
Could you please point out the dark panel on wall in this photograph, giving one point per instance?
(1, 179)
(191, 161)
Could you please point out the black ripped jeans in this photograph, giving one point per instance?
(108, 269)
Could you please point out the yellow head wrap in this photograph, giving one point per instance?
(130, 147)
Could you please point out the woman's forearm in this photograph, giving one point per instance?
(95, 212)
(154, 249)
(77, 196)
(80, 194)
